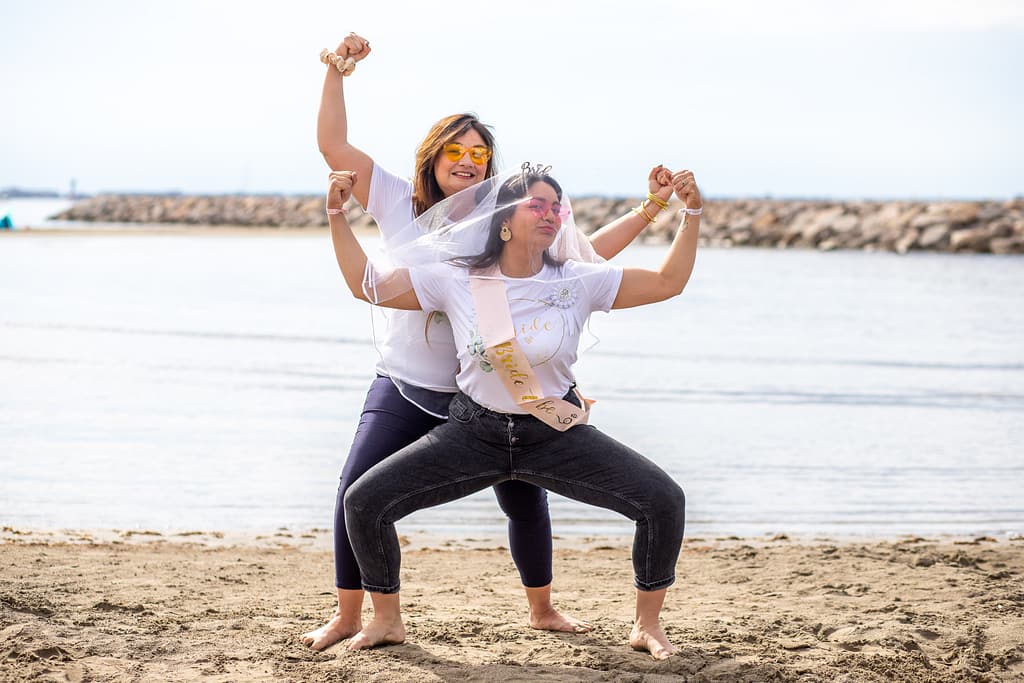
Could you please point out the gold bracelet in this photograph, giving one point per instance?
(649, 216)
(642, 209)
(657, 200)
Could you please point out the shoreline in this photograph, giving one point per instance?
(984, 226)
(320, 539)
(742, 610)
(151, 229)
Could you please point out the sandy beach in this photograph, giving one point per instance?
(143, 606)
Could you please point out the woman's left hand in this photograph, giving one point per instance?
(340, 189)
(686, 189)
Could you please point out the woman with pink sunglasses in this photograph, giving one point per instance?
(416, 375)
(498, 267)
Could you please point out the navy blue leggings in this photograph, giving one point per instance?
(390, 423)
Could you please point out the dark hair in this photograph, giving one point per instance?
(425, 190)
(516, 187)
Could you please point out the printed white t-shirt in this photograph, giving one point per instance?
(548, 310)
(415, 348)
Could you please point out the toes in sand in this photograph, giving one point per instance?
(378, 634)
(651, 640)
(332, 632)
(556, 621)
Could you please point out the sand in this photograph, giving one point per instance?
(140, 606)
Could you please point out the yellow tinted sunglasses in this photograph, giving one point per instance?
(478, 154)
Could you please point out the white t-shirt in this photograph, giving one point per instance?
(549, 311)
(416, 348)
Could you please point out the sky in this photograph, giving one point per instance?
(877, 99)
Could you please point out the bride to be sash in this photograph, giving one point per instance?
(506, 356)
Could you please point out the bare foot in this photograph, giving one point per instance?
(335, 630)
(553, 620)
(378, 632)
(652, 640)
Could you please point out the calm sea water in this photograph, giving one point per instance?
(33, 212)
(214, 382)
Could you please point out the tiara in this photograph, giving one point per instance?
(529, 170)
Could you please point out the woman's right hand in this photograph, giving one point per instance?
(354, 46)
(340, 188)
(686, 189)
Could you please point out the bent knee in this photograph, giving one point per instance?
(671, 502)
(358, 500)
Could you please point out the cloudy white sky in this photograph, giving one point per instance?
(877, 99)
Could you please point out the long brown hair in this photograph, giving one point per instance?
(425, 190)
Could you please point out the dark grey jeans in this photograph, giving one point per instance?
(478, 448)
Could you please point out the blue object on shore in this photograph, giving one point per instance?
(6, 223)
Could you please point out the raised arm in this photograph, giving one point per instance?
(610, 239)
(349, 253)
(641, 286)
(332, 120)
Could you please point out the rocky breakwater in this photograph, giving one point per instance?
(201, 210)
(899, 226)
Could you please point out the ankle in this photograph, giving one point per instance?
(646, 624)
(386, 622)
(344, 615)
(542, 610)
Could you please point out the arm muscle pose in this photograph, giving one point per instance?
(347, 250)
(640, 286)
(610, 239)
(332, 121)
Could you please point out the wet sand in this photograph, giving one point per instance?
(204, 606)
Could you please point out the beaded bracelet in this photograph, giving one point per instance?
(344, 65)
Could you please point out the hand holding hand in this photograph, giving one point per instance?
(340, 188)
(354, 46)
(686, 189)
(659, 182)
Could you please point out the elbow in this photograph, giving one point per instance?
(354, 283)
(357, 292)
(330, 150)
(670, 293)
(336, 155)
(672, 288)
(330, 155)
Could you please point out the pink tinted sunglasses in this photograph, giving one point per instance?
(539, 207)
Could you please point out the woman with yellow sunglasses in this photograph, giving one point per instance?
(416, 375)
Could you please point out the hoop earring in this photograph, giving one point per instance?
(505, 233)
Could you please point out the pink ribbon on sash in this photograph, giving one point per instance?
(503, 352)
